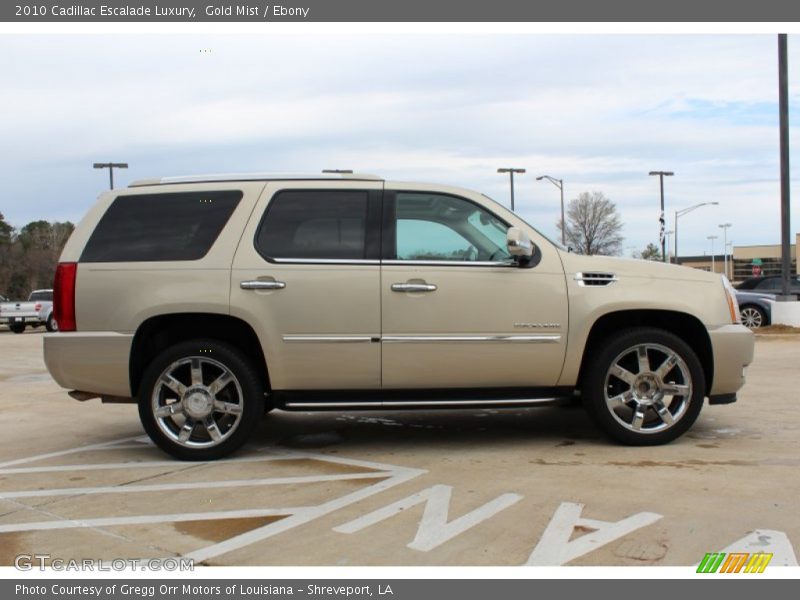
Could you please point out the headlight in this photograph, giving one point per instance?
(733, 303)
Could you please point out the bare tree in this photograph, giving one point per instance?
(593, 225)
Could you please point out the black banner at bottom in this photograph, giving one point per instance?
(389, 589)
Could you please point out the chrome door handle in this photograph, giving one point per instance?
(258, 284)
(413, 287)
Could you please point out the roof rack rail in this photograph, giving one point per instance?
(253, 177)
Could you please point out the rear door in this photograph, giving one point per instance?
(306, 275)
(457, 311)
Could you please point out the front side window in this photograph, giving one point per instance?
(447, 228)
(314, 224)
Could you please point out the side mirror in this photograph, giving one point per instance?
(518, 243)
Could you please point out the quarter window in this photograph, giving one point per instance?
(158, 227)
(447, 228)
(314, 224)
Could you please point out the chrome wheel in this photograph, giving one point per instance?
(751, 317)
(648, 388)
(197, 402)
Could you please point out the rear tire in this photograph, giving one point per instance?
(51, 324)
(645, 387)
(17, 327)
(200, 400)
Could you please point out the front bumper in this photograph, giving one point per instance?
(732, 347)
(95, 361)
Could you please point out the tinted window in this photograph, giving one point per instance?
(770, 283)
(41, 296)
(442, 227)
(315, 224)
(150, 227)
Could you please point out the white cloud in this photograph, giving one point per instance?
(599, 111)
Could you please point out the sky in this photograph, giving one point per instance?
(598, 111)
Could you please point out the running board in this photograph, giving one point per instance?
(401, 404)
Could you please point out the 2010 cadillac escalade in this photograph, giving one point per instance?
(211, 300)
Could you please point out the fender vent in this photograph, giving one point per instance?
(594, 279)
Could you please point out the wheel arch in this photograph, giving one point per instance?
(685, 326)
(160, 332)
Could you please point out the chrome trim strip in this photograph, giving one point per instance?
(324, 261)
(409, 403)
(329, 339)
(416, 339)
(452, 263)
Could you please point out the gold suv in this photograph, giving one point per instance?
(208, 301)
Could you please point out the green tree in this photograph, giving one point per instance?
(28, 260)
(593, 225)
(651, 252)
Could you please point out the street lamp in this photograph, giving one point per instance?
(712, 238)
(661, 220)
(511, 171)
(559, 183)
(680, 213)
(724, 227)
(110, 166)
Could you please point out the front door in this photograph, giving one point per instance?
(306, 275)
(457, 312)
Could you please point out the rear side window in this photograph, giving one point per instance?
(158, 227)
(315, 224)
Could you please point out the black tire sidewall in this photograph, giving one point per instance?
(594, 397)
(50, 324)
(17, 327)
(252, 397)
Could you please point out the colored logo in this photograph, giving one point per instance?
(734, 562)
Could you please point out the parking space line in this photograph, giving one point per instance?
(142, 464)
(196, 485)
(386, 476)
(101, 446)
(400, 475)
(150, 519)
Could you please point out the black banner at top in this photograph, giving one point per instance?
(400, 11)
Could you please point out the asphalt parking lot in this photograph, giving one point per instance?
(479, 487)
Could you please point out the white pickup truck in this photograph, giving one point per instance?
(36, 311)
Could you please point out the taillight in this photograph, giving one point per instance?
(37, 307)
(64, 296)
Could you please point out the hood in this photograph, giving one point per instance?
(633, 267)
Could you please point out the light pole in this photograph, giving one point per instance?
(680, 213)
(724, 227)
(712, 238)
(559, 183)
(666, 235)
(511, 171)
(661, 220)
(110, 166)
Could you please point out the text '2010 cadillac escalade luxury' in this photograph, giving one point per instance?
(211, 300)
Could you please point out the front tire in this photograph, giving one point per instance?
(753, 317)
(200, 400)
(645, 387)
